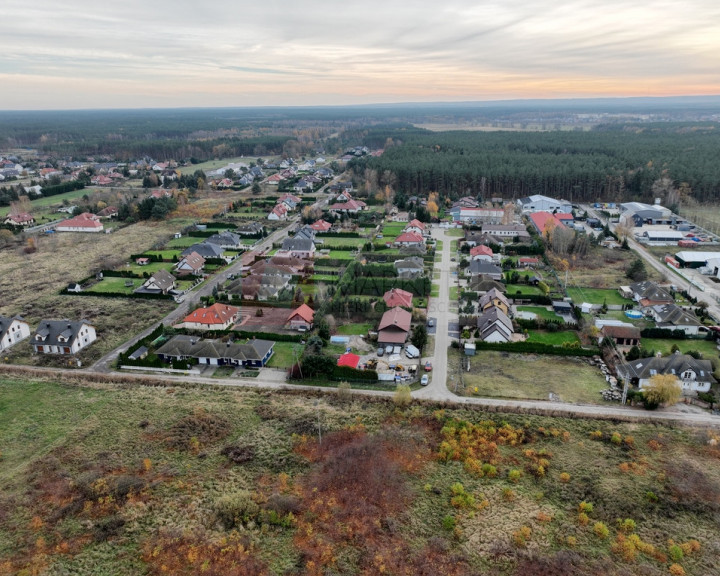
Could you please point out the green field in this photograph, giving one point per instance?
(354, 329)
(149, 268)
(707, 348)
(328, 242)
(342, 255)
(540, 311)
(552, 338)
(284, 354)
(113, 284)
(455, 232)
(596, 296)
(513, 289)
(43, 204)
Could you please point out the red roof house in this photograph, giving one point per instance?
(321, 226)
(349, 359)
(398, 297)
(22, 219)
(301, 318)
(215, 317)
(481, 252)
(409, 239)
(394, 326)
(84, 222)
(545, 222)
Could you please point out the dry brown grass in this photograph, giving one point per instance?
(603, 268)
(30, 284)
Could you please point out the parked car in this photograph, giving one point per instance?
(428, 366)
(380, 351)
(425, 380)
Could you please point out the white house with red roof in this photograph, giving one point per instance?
(415, 226)
(321, 226)
(301, 318)
(350, 207)
(101, 180)
(22, 219)
(84, 222)
(398, 297)
(215, 317)
(275, 179)
(409, 239)
(279, 212)
(481, 253)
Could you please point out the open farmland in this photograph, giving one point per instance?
(189, 481)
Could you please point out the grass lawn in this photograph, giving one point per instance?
(342, 254)
(455, 232)
(354, 329)
(453, 246)
(149, 268)
(325, 278)
(284, 354)
(453, 293)
(419, 302)
(438, 246)
(540, 312)
(707, 348)
(164, 254)
(328, 242)
(46, 203)
(596, 296)
(223, 372)
(529, 376)
(513, 289)
(183, 242)
(553, 338)
(112, 284)
(435, 291)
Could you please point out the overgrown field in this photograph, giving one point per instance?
(239, 482)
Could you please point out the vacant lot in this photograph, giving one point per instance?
(603, 268)
(597, 296)
(187, 481)
(530, 376)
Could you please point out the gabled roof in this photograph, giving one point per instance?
(479, 267)
(491, 295)
(410, 237)
(162, 279)
(483, 283)
(6, 321)
(409, 263)
(612, 331)
(220, 314)
(651, 292)
(349, 359)
(673, 314)
(58, 332)
(494, 319)
(396, 318)
(298, 245)
(398, 297)
(304, 312)
(321, 226)
(193, 260)
(84, 220)
(481, 251)
(415, 223)
(674, 364)
(205, 250)
(192, 347)
(224, 238)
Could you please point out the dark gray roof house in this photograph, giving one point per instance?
(672, 317)
(478, 267)
(63, 336)
(249, 229)
(298, 245)
(205, 250)
(648, 293)
(254, 353)
(161, 282)
(224, 239)
(694, 375)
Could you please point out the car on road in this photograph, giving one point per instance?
(428, 366)
(425, 380)
(452, 259)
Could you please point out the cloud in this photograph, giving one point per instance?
(274, 52)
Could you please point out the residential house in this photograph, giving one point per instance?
(257, 287)
(22, 219)
(672, 317)
(225, 239)
(494, 326)
(12, 331)
(540, 203)
(84, 222)
(693, 375)
(161, 282)
(279, 212)
(478, 267)
(108, 212)
(507, 231)
(250, 229)
(205, 250)
(193, 264)
(101, 180)
(409, 268)
(63, 336)
(545, 222)
(350, 207)
(416, 227)
(483, 283)
(297, 247)
(321, 226)
(495, 298)
(252, 353)
(215, 317)
(648, 294)
(401, 217)
(398, 297)
(301, 185)
(409, 239)
(344, 186)
(305, 232)
(301, 318)
(290, 200)
(621, 335)
(528, 262)
(394, 326)
(481, 252)
(275, 179)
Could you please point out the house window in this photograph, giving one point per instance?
(689, 375)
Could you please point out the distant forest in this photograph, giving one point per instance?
(610, 162)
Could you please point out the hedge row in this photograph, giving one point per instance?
(534, 348)
(338, 235)
(663, 333)
(534, 298)
(151, 257)
(142, 296)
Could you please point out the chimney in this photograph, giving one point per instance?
(658, 355)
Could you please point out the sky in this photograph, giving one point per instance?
(60, 54)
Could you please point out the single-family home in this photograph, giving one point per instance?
(321, 226)
(694, 375)
(545, 222)
(215, 317)
(415, 226)
(528, 262)
(409, 239)
(21, 219)
(253, 353)
(205, 250)
(481, 252)
(672, 317)
(193, 264)
(225, 239)
(495, 298)
(250, 229)
(410, 268)
(84, 222)
(275, 179)
(63, 336)
(478, 267)
(398, 297)
(161, 282)
(301, 318)
(108, 212)
(305, 232)
(648, 294)
(494, 326)
(12, 331)
(350, 207)
(297, 247)
(483, 283)
(394, 326)
(290, 200)
(279, 212)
